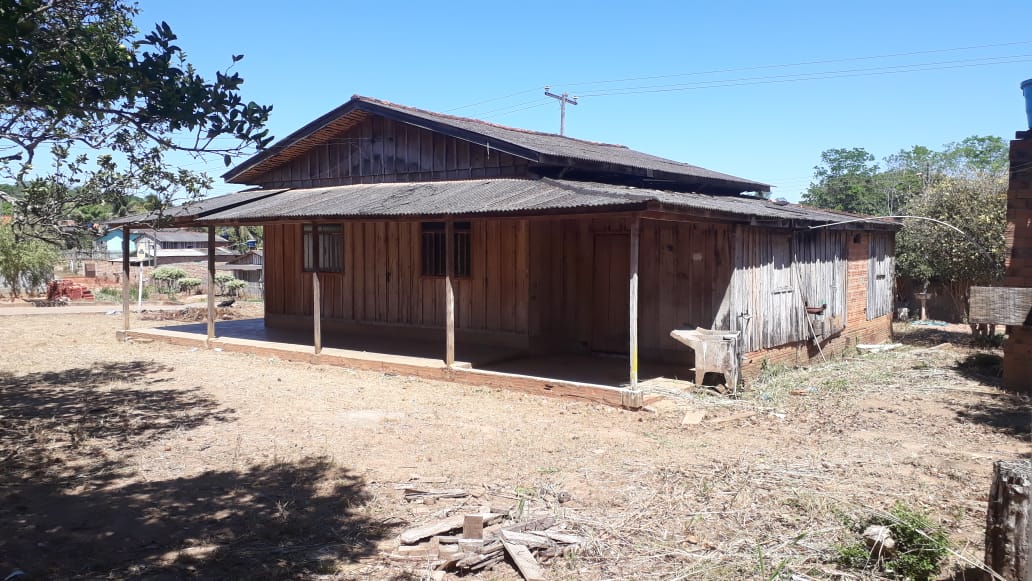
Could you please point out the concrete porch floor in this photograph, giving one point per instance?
(582, 376)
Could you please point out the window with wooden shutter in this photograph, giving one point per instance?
(323, 247)
(433, 249)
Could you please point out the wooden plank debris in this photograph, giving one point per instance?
(473, 526)
(416, 534)
(483, 545)
(416, 493)
(525, 562)
(526, 539)
(564, 538)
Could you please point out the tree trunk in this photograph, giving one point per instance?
(1008, 534)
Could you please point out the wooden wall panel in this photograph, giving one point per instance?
(382, 150)
(382, 282)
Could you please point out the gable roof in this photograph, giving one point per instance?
(541, 149)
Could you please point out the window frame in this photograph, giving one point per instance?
(435, 265)
(314, 237)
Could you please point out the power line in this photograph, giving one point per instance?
(816, 76)
(800, 64)
(735, 69)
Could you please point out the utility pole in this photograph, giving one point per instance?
(563, 100)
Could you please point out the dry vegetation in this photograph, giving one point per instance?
(156, 461)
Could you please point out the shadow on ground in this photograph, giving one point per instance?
(272, 521)
(1007, 412)
(71, 506)
(931, 335)
(69, 424)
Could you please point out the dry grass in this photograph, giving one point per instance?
(213, 465)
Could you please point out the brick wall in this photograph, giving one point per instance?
(858, 328)
(800, 353)
(1017, 351)
(110, 273)
(856, 279)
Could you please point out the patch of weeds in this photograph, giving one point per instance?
(920, 548)
(548, 470)
(836, 383)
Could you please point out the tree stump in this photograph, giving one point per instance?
(1008, 533)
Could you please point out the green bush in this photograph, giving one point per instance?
(167, 277)
(921, 546)
(233, 286)
(221, 279)
(189, 284)
(115, 294)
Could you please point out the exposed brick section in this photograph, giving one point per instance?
(1017, 351)
(874, 331)
(858, 328)
(110, 273)
(856, 279)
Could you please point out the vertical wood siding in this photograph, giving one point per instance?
(881, 277)
(382, 283)
(685, 268)
(777, 273)
(382, 150)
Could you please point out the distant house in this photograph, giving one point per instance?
(111, 243)
(247, 267)
(423, 225)
(165, 245)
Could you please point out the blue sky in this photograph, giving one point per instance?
(764, 116)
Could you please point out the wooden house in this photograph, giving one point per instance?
(248, 267)
(381, 218)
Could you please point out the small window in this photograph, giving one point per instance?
(434, 249)
(323, 248)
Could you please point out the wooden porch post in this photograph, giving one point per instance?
(316, 313)
(125, 278)
(449, 292)
(211, 284)
(633, 323)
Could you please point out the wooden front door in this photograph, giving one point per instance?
(610, 311)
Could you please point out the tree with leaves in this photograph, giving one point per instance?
(929, 252)
(25, 265)
(847, 180)
(83, 93)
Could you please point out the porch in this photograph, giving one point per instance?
(592, 377)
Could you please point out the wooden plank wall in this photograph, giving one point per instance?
(685, 268)
(882, 275)
(381, 282)
(821, 262)
(383, 150)
(776, 274)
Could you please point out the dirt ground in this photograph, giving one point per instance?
(147, 460)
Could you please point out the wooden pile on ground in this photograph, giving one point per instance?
(188, 314)
(468, 540)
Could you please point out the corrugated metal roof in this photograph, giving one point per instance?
(192, 209)
(502, 196)
(177, 235)
(533, 145)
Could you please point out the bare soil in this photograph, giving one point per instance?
(146, 460)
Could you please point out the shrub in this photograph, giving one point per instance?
(167, 277)
(221, 279)
(921, 546)
(233, 286)
(189, 284)
(115, 294)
